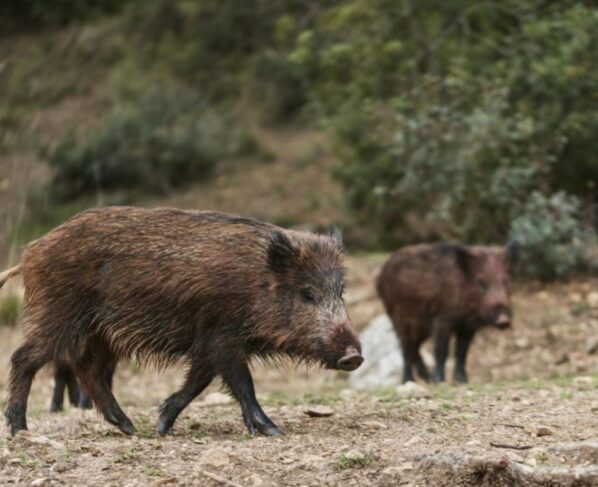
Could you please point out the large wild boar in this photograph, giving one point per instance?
(166, 286)
(443, 290)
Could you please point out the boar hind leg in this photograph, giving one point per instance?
(198, 378)
(92, 376)
(61, 379)
(463, 341)
(25, 362)
(441, 346)
(78, 397)
(237, 378)
(422, 370)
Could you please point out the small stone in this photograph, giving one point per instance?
(378, 425)
(522, 342)
(411, 389)
(38, 482)
(537, 431)
(60, 467)
(215, 398)
(319, 411)
(575, 297)
(215, 457)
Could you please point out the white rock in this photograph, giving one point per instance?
(38, 482)
(383, 365)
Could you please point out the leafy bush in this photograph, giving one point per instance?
(454, 119)
(163, 138)
(555, 239)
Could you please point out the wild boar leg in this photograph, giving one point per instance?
(25, 362)
(422, 370)
(91, 372)
(75, 392)
(61, 377)
(441, 346)
(463, 341)
(198, 378)
(237, 378)
(78, 397)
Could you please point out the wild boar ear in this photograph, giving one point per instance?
(281, 252)
(513, 251)
(337, 238)
(464, 259)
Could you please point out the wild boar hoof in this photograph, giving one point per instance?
(164, 426)
(84, 402)
(264, 426)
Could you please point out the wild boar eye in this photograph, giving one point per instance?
(308, 296)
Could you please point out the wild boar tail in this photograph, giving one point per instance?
(7, 274)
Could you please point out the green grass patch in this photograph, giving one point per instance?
(354, 459)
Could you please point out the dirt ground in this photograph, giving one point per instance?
(528, 417)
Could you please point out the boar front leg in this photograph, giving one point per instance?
(237, 377)
(198, 378)
(463, 341)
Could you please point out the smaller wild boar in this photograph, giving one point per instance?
(443, 290)
(64, 377)
(210, 290)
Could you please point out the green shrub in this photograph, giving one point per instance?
(161, 139)
(10, 309)
(555, 241)
(277, 87)
(25, 13)
(460, 120)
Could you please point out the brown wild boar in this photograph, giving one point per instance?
(443, 290)
(168, 286)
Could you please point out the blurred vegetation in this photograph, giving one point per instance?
(459, 120)
(10, 309)
(155, 140)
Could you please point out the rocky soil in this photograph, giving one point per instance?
(529, 416)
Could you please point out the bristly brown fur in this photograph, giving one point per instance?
(165, 285)
(443, 290)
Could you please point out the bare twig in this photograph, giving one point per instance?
(219, 479)
(512, 447)
(511, 425)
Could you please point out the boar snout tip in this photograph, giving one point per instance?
(350, 361)
(503, 321)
